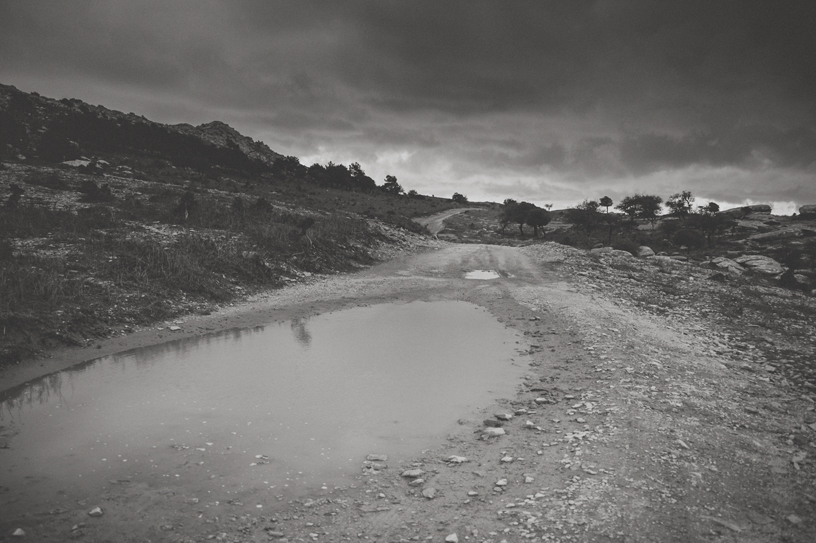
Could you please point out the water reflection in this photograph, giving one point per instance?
(314, 395)
(302, 335)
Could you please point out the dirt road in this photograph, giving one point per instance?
(626, 427)
(435, 223)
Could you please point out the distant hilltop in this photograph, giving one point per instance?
(50, 130)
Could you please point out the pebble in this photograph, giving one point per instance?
(490, 432)
(377, 457)
(95, 512)
(19, 532)
(794, 519)
(501, 482)
(174, 328)
(452, 538)
(504, 416)
(507, 459)
(429, 493)
(412, 473)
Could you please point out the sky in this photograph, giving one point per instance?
(545, 101)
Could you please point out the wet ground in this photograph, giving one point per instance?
(249, 406)
(625, 426)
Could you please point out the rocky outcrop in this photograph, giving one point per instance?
(747, 210)
(760, 264)
(223, 135)
(727, 264)
(809, 209)
(644, 251)
(784, 233)
(601, 250)
(619, 252)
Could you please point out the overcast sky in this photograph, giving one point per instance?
(542, 101)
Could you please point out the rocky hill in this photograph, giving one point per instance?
(36, 127)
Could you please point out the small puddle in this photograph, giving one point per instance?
(482, 274)
(278, 409)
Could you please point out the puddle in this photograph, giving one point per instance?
(482, 274)
(274, 410)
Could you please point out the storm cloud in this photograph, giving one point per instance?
(546, 101)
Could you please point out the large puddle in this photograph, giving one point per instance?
(274, 410)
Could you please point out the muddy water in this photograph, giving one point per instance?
(279, 409)
(482, 274)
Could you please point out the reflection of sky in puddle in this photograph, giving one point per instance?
(278, 408)
(482, 274)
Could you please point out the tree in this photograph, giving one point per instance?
(710, 223)
(413, 194)
(680, 204)
(585, 216)
(459, 198)
(538, 218)
(391, 186)
(641, 206)
(709, 209)
(515, 213)
(606, 201)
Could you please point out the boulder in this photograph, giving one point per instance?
(760, 264)
(728, 265)
(644, 251)
(809, 209)
(747, 210)
(601, 250)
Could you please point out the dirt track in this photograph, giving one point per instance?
(625, 428)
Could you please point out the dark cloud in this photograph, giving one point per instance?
(555, 94)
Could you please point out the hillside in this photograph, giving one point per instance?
(109, 221)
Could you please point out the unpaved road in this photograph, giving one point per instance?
(436, 223)
(624, 428)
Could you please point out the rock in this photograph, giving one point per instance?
(809, 209)
(417, 482)
(507, 459)
(377, 457)
(728, 265)
(760, 264)
(95, 512)
(472, 493)
(542, 400)
(19, 532)
(503, 416)
(492, 423)
(456, 459)
(174, 328)
(493, 432)
(747, 210)
(644, 251)
(794, 519)
(681, 258)
(501, 482)
(601, 250)
(528, 480)
(784, 233)
(453, 538)
(412, 473)
(619, 252)
(429, 493)
(719, 277)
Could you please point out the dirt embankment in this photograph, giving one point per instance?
(635, 421)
